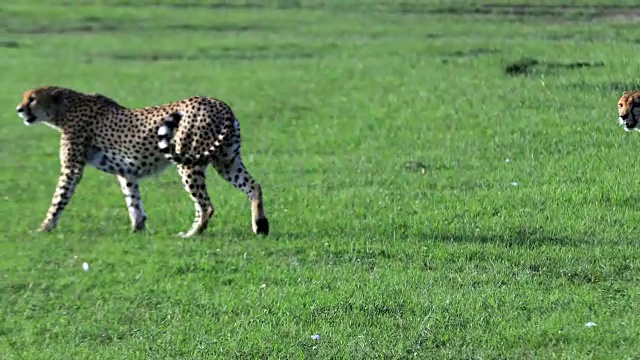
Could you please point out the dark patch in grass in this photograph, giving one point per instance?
(371, 310)
(531, 237)
(517, 12)
(9, 44)
(536, 269)
(190, 268)
(103, 336)
(20, 287)
(503, 10)
(415, 166)
(98, 25)
(149, 57)
(473, 52)
(406, 8)
(211, 266)
(227, 281)
(81, 28)
(525, 11)
(420, 167)
(521, 67)
(575, 65)
(225, 55)
(226, 5)
(585, 275)
(608, 87)
(561, 37)
(630, 202)
(220, 5)
(528, 66)
(89, 24)
(588, 38)
(218, 28)
(591, 273)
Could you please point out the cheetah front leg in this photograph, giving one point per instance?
(193, 178)
(131, 190)
(71, 170)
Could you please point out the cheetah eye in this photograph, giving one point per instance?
(620, 106)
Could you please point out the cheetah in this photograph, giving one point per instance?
(136, 143)
(628, 104)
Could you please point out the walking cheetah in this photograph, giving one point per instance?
(135, 143)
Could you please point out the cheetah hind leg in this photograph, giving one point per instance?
(193, 178)
(235, 172)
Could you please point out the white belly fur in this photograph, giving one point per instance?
(118, 164)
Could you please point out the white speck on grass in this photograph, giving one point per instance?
(315, 337)
(85, 266)
(513, 183)
(507, 161)
(263, 286)
(590, 324)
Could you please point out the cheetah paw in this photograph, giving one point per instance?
(45, 228)
(261, 226)
(138, 227)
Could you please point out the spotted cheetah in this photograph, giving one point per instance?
(135, 143)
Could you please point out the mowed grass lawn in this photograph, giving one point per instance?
(442, 181)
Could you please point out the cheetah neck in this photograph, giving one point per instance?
(76, 109)
(52, 125)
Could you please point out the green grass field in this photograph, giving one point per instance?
(443, 180)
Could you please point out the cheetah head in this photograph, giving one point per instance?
(628, 105)
(40, 105)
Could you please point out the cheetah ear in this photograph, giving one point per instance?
(56, 96)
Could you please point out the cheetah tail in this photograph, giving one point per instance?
(165, 134)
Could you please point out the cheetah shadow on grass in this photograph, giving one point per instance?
(523, 237)
(530, 237)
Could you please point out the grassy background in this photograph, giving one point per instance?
(380, 132)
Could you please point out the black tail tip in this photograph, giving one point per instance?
(262, 226)
(174, 117)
